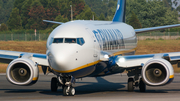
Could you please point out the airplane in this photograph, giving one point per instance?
(86, 48)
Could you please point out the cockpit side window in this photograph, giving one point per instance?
(70, 40)
(80, 41)
(51, 41)
(58, 40)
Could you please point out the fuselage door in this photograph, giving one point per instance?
(95, 44)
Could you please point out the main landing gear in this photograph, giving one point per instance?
(65, 82)
(132, 84)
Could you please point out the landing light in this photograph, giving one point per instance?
(122, 60)
(106, 56)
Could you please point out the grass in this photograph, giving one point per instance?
(143, 47)
(157, 46)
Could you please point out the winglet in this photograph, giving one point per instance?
(120, 11)
(54, 22)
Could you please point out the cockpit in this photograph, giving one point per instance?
(79, 41)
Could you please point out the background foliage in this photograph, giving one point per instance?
(28, 14)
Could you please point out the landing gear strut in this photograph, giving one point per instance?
(65, 82)
(136, 81)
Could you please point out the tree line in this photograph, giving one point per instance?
(28, 14)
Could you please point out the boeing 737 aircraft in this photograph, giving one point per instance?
(80, 48)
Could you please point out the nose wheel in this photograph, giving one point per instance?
(68, 91)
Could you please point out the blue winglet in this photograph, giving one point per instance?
(120, 11)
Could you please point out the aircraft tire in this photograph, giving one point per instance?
(54, 84)
(72, 91)
(65, 91)
(142, 86)
(130, 85)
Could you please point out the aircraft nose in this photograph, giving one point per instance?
(59, 57)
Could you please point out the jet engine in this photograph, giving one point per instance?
(22, 72)
(157, 72)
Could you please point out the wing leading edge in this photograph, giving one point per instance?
(140, 60)
(8, 56)
(155, 28)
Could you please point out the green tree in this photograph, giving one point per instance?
(18, 4)
(14, 21)
(60, 18)
(65, 9)
(86, 14)
(52, 9)
(37, 14)
(98, 6)
(167, 3)
(134, 21)
(25, 11)
(3, 27)
(44, 3)
(152, 13)
(6, 7)
(111, 9)
(102, 17)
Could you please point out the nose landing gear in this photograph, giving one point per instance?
(65, 82)
(68, 91)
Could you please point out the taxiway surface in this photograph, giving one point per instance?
(109, 88)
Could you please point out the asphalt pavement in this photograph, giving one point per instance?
(113, 87)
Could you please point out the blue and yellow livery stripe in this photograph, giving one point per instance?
(35, 79)
(171, 76)
(93, 63)
(79, 68)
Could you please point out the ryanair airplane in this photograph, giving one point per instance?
(80, 48)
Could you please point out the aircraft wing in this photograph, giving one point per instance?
(54, 22)
(155, 28)
(141, 60)
(8, 56)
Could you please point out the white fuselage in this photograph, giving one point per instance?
(77, 47)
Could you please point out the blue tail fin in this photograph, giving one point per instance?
(120, 11)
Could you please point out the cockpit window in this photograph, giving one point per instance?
(58, 40)
(80, 41)
(70, 40)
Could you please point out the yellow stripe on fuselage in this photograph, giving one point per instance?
(76, 69)
(93, 63)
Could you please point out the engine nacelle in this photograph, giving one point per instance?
(22, 72)
(157, 72)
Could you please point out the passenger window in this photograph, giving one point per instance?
(58, 40)
(70, 40)
(80, 41)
